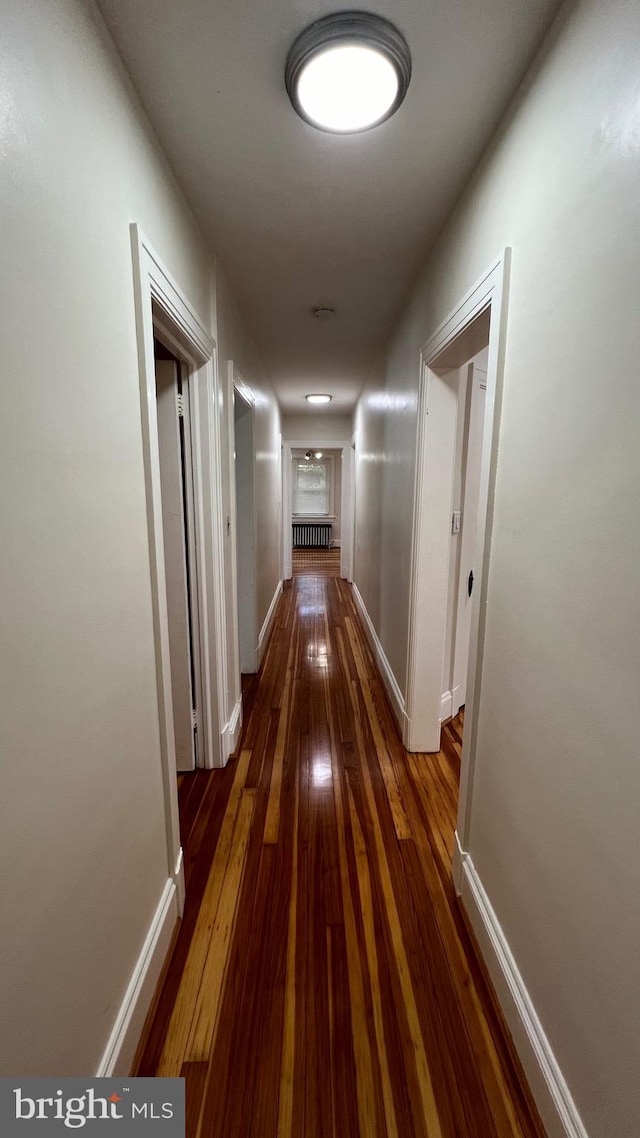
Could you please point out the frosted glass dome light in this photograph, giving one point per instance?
(348, 72)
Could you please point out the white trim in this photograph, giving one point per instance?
(552, 1095)
(120, 1050)
(446, 703)
(347, 506)
(161, 305)
(209, 542)
(391, 684)
(265, 631)
(426, 622)
(450, 703)
(456, 868)
(234, 664)
(179, 878)
(327, 460)
(231, 733)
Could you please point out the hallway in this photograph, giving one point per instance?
(327, 985)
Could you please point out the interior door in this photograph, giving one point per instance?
(472, 456)
(174, 524)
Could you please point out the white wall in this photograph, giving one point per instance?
(84, 857)
(384, 425)
(245, 536)
(554, 816)
(235, 343)
(317, 425)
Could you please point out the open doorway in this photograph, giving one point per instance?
(452, 518)
(463, 540)
(317, 508)
(316, 511)
(177, 500)
(165, 315)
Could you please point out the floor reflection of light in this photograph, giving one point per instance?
(317, 657)
(310, 610)
(321, 771)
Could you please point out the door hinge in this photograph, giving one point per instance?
(180, 405)
(194, 719)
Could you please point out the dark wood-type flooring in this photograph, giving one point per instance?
(323, 982)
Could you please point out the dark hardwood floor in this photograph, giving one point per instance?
(324, 983)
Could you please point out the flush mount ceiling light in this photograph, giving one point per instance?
(318, 398)
(317, 454)
(348, 72)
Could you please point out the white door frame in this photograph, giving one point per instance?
(346, 501)
(161, 305)
(463, 608)
(429, 561)
(182, 604)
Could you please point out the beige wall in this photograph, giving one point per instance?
(554, 826)
(83, 857)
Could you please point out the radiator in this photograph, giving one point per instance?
(311, 535)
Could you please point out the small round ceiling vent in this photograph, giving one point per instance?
(323, 312)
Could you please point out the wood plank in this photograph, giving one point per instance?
(206, 1005)
(175, 1048)
(324, 983)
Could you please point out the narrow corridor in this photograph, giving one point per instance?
(323, 981)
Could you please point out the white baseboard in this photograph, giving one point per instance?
(265, 631)
(120, 1050)
(178, 877)
(231, 733)
(550, 1091)
(390, 682)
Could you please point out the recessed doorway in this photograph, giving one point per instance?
(457, 436)
(176, 489)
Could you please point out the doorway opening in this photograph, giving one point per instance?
(317, 508)
(471, 383)
(173, 412)
(316, 512)
(458, 410)
(164, 314)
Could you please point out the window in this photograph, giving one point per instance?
(313, 487)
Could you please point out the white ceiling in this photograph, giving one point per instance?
(301, 218)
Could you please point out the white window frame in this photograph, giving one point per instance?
(329, 461)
